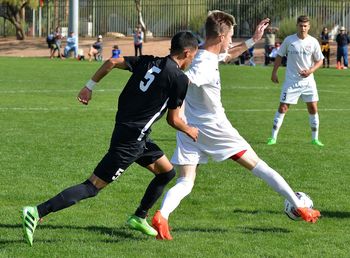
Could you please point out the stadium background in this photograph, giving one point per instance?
(163, 18)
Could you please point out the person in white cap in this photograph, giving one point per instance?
(95, 50)
(343, 41)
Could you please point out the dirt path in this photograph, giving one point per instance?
(37, 47)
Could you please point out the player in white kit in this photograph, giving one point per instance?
(304, 58)
(217, 138)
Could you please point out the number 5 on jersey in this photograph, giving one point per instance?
(149, 77)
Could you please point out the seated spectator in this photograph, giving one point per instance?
(56, 46)
(71, 45)
(50, 40)
(273, 53)
(95, 50)
(116, 51)
(81, 55)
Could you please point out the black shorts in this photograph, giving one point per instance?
(124, 150)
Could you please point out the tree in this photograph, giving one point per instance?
(14, 12)
(140, 19)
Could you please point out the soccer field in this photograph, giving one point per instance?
(49, 141)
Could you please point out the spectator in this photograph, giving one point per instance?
(57, 43)
(138, 40)
(95, 50)
(274, 51)
(50, 40)
(116, 51)
(270, 40)
(342, 40)
(325, 46)
(72, 45)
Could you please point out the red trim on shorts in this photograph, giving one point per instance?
(238, 155)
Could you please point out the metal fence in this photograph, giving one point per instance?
(163, 17)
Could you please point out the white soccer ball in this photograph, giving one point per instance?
(291, 211)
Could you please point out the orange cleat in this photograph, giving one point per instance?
(161, 225)
(308, 214)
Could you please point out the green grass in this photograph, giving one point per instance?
(49, 142)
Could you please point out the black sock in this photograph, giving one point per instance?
(67, 198)
(153, 192)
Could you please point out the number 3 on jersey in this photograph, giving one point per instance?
(149, 77)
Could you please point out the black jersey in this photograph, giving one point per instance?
(156, 84)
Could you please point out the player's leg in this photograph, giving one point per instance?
(154, 160)
(113, 164)
(277, 122)
(259, 168)
(164, 173)
(172, 199)
(68, 197)
(314, 122)
(186, 152)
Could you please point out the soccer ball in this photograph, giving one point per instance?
(291, 211)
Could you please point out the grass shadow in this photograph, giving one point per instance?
(254, 230)
(115, 234)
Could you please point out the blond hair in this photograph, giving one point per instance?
(218, 22)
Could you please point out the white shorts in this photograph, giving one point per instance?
(220, 141)
(292, 91)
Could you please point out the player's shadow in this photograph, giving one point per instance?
(200, 230)
(115, 234)
(335, 214)
(254, 212)
(324, 213)
(254, 230)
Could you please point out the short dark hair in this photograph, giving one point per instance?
(303, 18)
(182, 40)
(218, 22)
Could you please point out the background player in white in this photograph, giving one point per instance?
(304, 58)
(217, 138)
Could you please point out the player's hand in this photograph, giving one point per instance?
(259, 31)
(84, 96)
(193, 133)
(305, 73)
(274, 78)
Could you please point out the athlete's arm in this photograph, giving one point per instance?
(85, 93)
(237, 50)
(175, 121)
(306, 73)
(276, 65)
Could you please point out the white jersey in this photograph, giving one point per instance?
(301, 55)
(203, 99)
(217, 138)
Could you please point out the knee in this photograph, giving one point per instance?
(91, 189)
(283, 108)
(187, 185)
(167, 177)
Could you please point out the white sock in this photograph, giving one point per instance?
(276, 181)
(314, 124)
(277, 123)
(174, 196)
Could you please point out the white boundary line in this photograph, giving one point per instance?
(46, 109)
(53, 91)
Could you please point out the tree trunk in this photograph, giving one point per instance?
(13, 14)
(140, 19)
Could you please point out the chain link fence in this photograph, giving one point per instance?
(163, 18)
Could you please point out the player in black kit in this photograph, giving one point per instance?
(157, 85)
